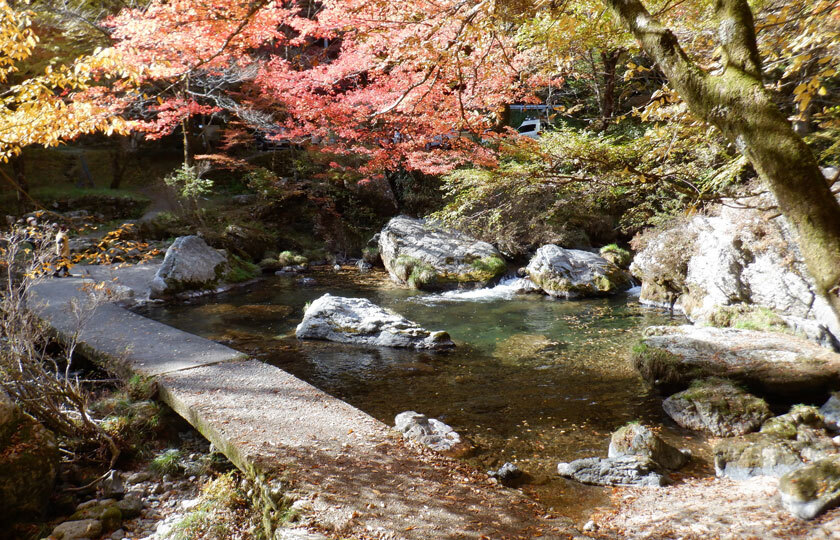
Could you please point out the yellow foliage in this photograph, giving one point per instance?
(63, 102)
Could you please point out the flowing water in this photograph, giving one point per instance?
(532, 380)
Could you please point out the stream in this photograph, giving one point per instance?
(532, 380)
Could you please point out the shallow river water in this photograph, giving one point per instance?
(532, 380)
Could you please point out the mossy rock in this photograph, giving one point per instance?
(427, 256)
(571, 273)
(659, 367)
(717, 407)
(748, 317)
(813, 489)
(772, 365)
(107, 511)
(28, 465)
(616, 255)
(796, 424)
(756, 454)
(240, 270)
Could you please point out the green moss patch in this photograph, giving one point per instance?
(657, 366)
(487, 268)
(748, 317)
(240, 270)
(616, 255)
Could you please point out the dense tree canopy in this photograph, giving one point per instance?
(425, 85)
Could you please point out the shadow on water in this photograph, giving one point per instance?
(532, 380)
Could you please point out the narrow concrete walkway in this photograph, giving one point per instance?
(360, 478)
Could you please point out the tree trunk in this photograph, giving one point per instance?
(609, 59)
(119, 160)
(19, 170)
(738, 104)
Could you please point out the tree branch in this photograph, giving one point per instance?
(660, 43)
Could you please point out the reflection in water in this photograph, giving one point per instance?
(532, 380)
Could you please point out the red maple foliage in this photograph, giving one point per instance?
(405, 84)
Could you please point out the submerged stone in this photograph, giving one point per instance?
(433, 433)
(573, 273)
(619, 471)
(422, 255)
(360, 321)
(718, 407)
(520, 348)
(255, 313)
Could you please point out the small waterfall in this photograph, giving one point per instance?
(505, 290)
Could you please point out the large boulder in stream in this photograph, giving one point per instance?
(573, 273)
(28, 463)
(718, 407)
(360, 321)
(740, 254)
(189, 264)
(767, 363)
(426, 256)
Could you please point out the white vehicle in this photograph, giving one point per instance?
(531, 127)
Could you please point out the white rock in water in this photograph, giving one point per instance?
(189, 264)
(426, 256)
(431, 432)
(573, 273)
(360, 321)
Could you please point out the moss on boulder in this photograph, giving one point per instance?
(427, 256)
(718, 407)
(813, 489)
(768, 363)
(572, 273)
(638, 440)
(616, 255)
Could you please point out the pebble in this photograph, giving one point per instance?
(590, 526)
(138, 477)
(188, 504)
(119, 534)
(87, 504)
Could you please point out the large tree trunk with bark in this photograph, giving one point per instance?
(737, 102)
